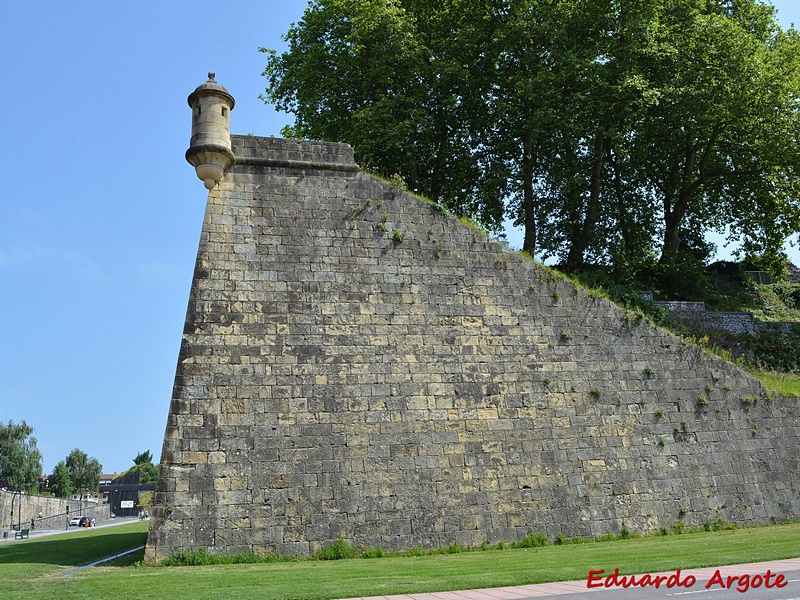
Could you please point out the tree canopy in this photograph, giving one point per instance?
(142, 471)
(61, 485)
(84, 472)
(143, 458)
(614, 131)
(20, 459)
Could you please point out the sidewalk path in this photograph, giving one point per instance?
(543, 590)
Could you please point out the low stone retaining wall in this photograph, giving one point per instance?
(53, 510)
(695, 314)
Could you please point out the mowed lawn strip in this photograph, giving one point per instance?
(37, 557)
(399, 575)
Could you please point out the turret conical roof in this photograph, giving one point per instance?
(211, 87)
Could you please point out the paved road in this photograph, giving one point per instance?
(37, 533)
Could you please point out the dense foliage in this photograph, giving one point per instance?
(142, 471)
(777, 349)
(606, 128)
(84, 471)
(20, 459)
(61, 485)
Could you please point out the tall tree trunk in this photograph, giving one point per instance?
(528, 209)
(673, 215)
(622, 210)
(442, 151)
(583, 232)
(672, 241)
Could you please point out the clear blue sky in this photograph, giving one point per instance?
(100, 214)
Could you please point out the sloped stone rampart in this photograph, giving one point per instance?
(357, 365)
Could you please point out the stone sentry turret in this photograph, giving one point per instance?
(210, 147)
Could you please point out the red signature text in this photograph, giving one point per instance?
(741, 583)
(596, 579)
(746, 581)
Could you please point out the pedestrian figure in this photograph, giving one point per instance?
(33, 524)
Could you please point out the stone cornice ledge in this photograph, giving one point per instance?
(278, 163)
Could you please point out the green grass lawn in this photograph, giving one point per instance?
(787, 384)
(31, 569)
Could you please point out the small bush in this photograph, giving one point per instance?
(721, 524)
(373, 553)
(532, 540)
(190, 558)
(748, 401)
(339, 550)
(199, 557)
(453, 548)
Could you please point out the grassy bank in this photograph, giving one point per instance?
(786, 384)
(31, 569)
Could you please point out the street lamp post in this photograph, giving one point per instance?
(11, 520)
(19, 509)
(17, 494)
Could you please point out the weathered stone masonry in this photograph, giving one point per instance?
(357, 365)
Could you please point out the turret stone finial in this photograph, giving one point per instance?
(210, 146)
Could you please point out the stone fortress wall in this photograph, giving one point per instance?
(356, 364)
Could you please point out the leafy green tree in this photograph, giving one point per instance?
(83, 471)
(675, 120)
(20, 459)
(607, 128)
(148, 472)
(60, 482)
(143, 458)
(719, 148)
(143, 470)
(384, 76)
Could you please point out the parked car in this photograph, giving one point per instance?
(80, 522)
